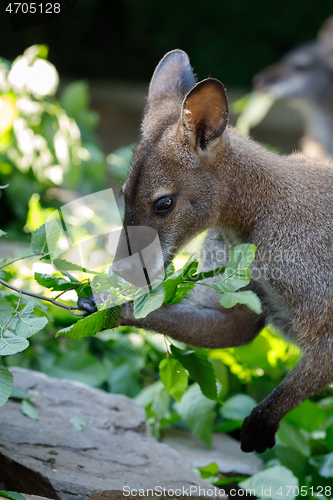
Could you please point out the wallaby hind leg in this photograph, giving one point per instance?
(311, 374)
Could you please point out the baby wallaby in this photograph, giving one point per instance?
(304, 77)
(191, 173)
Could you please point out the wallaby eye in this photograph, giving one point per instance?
(301, 66)
(163, 204)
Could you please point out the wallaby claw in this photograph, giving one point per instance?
(87, 304)
(257, 433)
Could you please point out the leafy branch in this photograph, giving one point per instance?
(41, 297)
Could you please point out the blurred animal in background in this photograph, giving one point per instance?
(304, 77)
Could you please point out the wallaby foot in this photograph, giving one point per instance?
(258, 433)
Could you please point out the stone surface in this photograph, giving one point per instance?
(225, 452)
(51, 458)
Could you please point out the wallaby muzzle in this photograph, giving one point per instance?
(139, 258)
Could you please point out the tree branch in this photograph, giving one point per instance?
(21, 258)
(41, 297)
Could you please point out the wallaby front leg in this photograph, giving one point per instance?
(199, 326)
(311, 374)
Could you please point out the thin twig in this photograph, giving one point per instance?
(20, 258)
(41, 297)
(64, 291)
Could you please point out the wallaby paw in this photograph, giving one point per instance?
(127, 313)
(87, 304)
(257, 433)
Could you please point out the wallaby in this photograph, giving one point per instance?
(304, 76)
(190, 172)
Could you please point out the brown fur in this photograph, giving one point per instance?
(304, 77)
(241, 192)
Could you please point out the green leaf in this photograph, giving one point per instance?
(29, 410)
(161, 405)
(308, 416)
(237, 274)
(291, 436)
(255, 107)
(78, 423)
(123, 379)
(12, 495)
(184, 273)
(182, 292)
(29, 325)
(203, 275)
(229, 426)
(80, 366)
(89, 325)
(149, 393)
(2, 233)
(271, 483)
(293, 460)
(246, 297)
(208, 471)
(6, 384)
(149, 302)
(324, 464)
(75, 97)
(54, 283)
(200, 369)
(329, 437)
(174, 377)
(11, 343)
(238, 407)
(197, 412)
(65, 265)
(18, 393)
(39, 239)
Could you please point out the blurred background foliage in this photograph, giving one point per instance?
(124, 39)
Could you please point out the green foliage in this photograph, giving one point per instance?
(275, 482)
(44, 143)
(200, 369)
(12, 495)
(29, 410)
(90, 325)
(6, 384)
(197, 412)
(252, 108)
(238, 407)
(78, 423)
(174, 377)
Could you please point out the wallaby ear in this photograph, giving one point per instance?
(173, 75)
(204, 113)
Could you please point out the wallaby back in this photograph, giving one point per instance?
(304, 76)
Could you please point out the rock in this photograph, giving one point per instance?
(225, 452)
(50, 457)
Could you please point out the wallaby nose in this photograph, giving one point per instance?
(262, 81)
(259, 81)
(123, 268)
(131, 270)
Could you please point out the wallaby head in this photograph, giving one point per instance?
(304, 73)
(173, 184)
